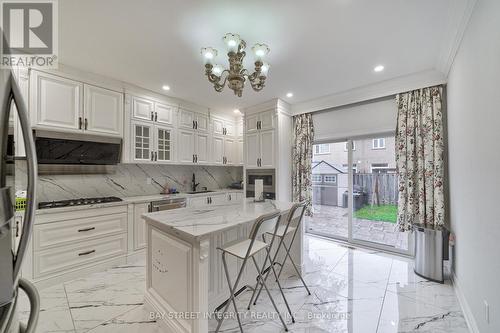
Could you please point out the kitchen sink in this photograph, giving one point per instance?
(199, 192)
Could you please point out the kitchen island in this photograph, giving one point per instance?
(185, 282)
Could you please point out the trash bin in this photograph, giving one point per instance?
(431, 248)
(359, 199)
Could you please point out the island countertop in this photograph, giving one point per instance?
(200, 222)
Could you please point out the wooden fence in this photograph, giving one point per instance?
(387, 186)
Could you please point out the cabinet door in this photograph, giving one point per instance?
(186, 146)
(251, 123)
(164, 114)
(229, 150)
(218, 199)
(218, 150)
(234, 197)
(198, 202)
(143, 142)
(57, 102)
(201, 122)
(163, 141)
(202, 148)
(218, 126)
(239, 152)
(103, 111)
(253, 150)
(267, 149)
(266, 120)
(142, 109)
(186, 119)
(140, 226)
(230, 128)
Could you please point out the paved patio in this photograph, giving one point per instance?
(333, 220)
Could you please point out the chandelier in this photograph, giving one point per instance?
(236, 75)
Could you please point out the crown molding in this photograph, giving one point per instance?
(458, 20)
(370, 92)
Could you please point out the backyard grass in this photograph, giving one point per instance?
(386, 213)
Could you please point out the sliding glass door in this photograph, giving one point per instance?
(355, 193)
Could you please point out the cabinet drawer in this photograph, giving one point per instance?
(67, 232)
(77, 254)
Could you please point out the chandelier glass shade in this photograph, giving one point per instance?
(236, 75)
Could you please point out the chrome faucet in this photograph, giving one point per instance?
(194, 184)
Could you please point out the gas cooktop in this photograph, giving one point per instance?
(77, 202)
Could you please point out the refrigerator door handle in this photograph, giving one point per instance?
(29, 213)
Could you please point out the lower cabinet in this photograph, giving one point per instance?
(215, 199)
(140, 225)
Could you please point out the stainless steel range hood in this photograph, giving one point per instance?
(68, 153)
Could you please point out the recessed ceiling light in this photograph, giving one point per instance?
(289, 95)
(166, 88)
(236, 111)
(379, 68)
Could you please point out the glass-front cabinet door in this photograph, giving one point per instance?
(164, 138)
(142, 142)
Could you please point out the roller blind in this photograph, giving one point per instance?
(358, 120)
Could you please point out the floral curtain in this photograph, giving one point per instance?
(302, 160)
(420, 158)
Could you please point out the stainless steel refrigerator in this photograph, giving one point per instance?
(11, 256)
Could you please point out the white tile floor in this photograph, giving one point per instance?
(352, 291)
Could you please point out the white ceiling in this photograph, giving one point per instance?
(318, 47)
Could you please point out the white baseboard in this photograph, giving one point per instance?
(469, 317)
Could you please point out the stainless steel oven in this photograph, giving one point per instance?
(268, 177)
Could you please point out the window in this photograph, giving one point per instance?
(322, 148)
(379, 143)
(380, 167)
(330, 179)
(317, 178)
(354, 167)
(353, 146)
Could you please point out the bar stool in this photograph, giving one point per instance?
(245, 250)
(295, 216)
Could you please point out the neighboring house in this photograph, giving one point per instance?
(369, 155)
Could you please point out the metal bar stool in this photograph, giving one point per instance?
(294, 217)
(246, 249)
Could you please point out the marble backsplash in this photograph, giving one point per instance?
(130, 180)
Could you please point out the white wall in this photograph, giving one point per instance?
(474, 163)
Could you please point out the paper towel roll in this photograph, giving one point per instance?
(259, 190)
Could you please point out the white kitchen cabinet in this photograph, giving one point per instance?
(198, 202)
(164, 114)
(239, 152)
(234, 197)
(217, 199)
(267, 149)
(56, 102)
(202, 148)
(142, 139)
(223, 127)
(251, 122)
(209, 199)
(164, 137)
(266, 120)
(140, 226)
(186, 119)
(253, 150)
(201, 122)
(142, 109)
(186, 144)
(103, 110)
(229, 151)
(218, 150)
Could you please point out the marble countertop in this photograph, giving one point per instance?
(200, 222)
(131, 200)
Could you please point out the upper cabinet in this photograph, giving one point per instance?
(164, 114)
(66, 105)
(56, 102)
(193, 120)
(260, 140)
(142, 109)
(223, 127)
(103, 111)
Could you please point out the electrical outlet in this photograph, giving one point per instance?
(486, 311)
(149, 180)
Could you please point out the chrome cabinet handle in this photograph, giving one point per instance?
(156, 156)
(86, 229)
(194, 125)
(152, 116)
(80, 122)
(86, 124)
(156, 116)
(86, 253)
